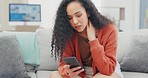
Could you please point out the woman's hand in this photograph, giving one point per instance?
(73, 72)
(91, 32)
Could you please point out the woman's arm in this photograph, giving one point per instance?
(67, 53)
(104, 56)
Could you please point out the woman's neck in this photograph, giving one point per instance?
(83, 33)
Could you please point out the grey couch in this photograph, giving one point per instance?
(132, 54)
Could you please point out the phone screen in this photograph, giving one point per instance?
(72, 61)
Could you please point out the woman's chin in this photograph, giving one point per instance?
(79, 31)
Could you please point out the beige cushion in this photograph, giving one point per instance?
(45, 74)
(44, 40)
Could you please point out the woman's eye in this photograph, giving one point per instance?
(79, 15)
(69, 18)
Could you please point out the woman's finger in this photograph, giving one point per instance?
(76, 68)
(67, 68)
(76, 73)
(91, 31)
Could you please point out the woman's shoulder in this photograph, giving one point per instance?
(109, 27)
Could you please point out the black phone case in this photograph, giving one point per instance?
(72, 61)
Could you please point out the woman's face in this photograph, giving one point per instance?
(77, 16)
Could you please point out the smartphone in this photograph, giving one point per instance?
(72, 61)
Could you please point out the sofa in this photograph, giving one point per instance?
(132, 53)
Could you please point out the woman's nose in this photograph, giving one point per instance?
(75, 20)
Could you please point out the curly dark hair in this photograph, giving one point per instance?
(63, 29)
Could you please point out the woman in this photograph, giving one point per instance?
(81, 31)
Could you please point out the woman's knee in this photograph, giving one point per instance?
(99, 75)
(55, 74)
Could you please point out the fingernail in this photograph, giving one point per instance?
(82, 69)
(68, 65)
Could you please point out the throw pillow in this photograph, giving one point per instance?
(137, 58)
(11, 62)
(28, 46)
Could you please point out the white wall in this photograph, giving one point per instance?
(48, 11)
(137, 14)
(131, 21)
(49, 8)
(97, 3)
(4, 10)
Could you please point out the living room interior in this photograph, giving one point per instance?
(130, 17)
(129, 11)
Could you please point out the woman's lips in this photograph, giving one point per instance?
(78, 27)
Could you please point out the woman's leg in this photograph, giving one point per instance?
(56, 74)
(99, 75)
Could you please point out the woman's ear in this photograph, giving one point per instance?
(88, 15)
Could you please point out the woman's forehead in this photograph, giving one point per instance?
(74, 7)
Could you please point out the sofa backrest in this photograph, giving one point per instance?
(132, 52)
(44, 40)
(125, 41)
(125, 46)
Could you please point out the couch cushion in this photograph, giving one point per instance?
(29, 67)
(32, 74)
(11, 62)
(44, 41)
(45, 74)
(124, 41)
(137, 57)
(28, 45)
(135, 75)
